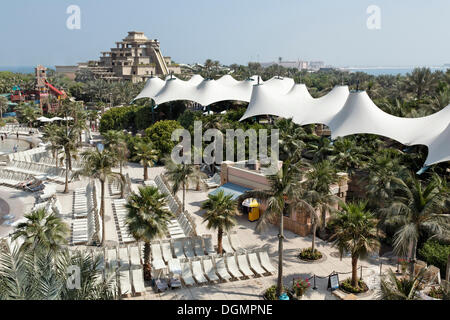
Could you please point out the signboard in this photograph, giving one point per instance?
(333, 282)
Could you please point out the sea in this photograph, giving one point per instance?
(378, 71)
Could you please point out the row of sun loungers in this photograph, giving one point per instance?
(13, 128)
(36, 169)
(83, 201)
(27, 155)
(126, 262)
(120, 214)
(210, 269)
(15, 179)
(163, 251)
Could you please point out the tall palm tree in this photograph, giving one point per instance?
(318, 193)
(147, 219)
(347, 155)
(98, 165)
(50, 135)
(283, 190)
(115, 142)
(416, 207)
(66, 138)
(219, 215)
(354, 231)
(146, 155)
(42, 228)
(181, 175)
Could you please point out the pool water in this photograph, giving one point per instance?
(6, 146)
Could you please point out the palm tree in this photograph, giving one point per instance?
(415, 208)
(181, 175)
(41, 274)
(42, 229)
(147, 219)
(219, 215)
(28, 113)
(115, 142)
(404, 288)
(3, 105)
(66, 139)
(146, 155)
(318, 193)
(420, 81)
(50, 135)
(347, 155)
(354, 231)
(98, 165)
(279, 198)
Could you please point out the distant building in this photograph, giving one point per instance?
(299, 64)
(135, 58)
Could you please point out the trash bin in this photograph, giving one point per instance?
(253, 215)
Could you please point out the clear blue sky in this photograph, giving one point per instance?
(413, 32)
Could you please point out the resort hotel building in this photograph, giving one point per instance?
(134, 59)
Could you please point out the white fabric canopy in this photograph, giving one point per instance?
(344, 112)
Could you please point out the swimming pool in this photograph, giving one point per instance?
(7, 146)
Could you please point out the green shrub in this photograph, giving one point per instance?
(308, 254)
(271, 293)
(160, 135)
(436, 254)
(346, 285)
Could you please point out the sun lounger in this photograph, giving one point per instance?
(112, 258)
(226, 246)
(209, 269)
(265, 262)
(166, 250)
(209, 248)
(178, 249)
(222, 269)
(188, 248)
(198, 247)
(198, 272)
(243, 265)
(138, 280)
(125, 285)
(174, 266)
(135, 257)
(124, 259)
(234, 241)
(186, 274)
(232, 266)
(254, 264)
(156, 251)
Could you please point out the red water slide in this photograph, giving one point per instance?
(52, 88)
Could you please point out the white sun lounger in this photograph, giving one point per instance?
(186, 274)
(178, 249)
(135, 257)
(125, 285)
(222, 269)
(174, 266)
(254, 264)
(124, 259)
(209, 269)
(234, 241)
(198, 247)
(232, 267)
(156, 251)
(188, 248)
(138, 280)
(243, 265)
(265, 262)
(198, 272)
(209, 248)
(226, 246)
(166, 250)
(112, 258)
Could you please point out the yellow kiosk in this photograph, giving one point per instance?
(253, 214)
